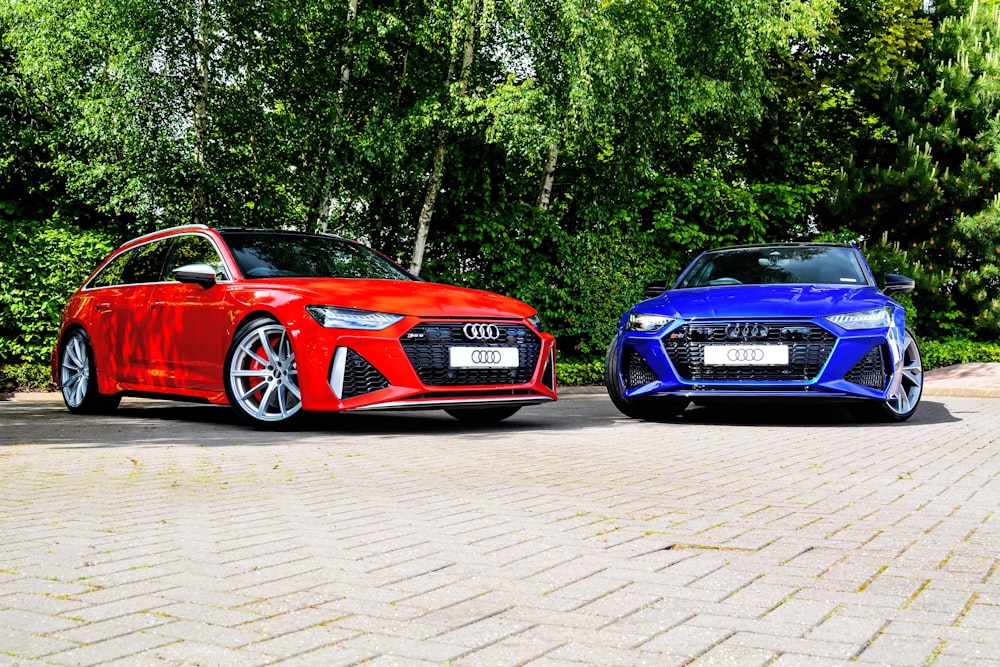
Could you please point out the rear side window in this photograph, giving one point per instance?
(137, 265)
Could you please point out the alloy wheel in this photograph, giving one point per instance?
(262, 374)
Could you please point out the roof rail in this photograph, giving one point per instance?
(169, 229)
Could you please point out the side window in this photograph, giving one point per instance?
(195, 250)
(111, 274)
(146, 263)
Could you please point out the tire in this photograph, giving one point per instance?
(901, 408)
(78, 377)
(261, 376)
(482, 415)
(650, 409)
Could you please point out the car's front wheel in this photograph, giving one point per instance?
(651, 409)
(911, 387)
(262, 380)
(482, 415)
(78, 377)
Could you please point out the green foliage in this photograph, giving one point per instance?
(950, 351)
(25, 377)
(41, 264)
(580, 373)
(926, 171)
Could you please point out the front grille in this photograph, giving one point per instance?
(809, 346)
(872, 371)
(360, 377)
(636, 372)
(427, 347)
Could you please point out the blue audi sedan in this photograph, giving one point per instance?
(773, 322)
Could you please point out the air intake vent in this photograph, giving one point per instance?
(636, 372)
(360, 377)
(872, 371)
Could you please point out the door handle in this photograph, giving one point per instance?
(158, 304)
(103, 308)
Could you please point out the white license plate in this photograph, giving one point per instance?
(746, 355)
(485, 357)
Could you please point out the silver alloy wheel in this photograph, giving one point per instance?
(263, 377)
(912, 381)
(74, 370)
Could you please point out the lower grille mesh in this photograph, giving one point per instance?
(871, 371)
(809, 346)
(427, 347)
(635, 371)
(360, 377)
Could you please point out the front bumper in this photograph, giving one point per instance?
(823, 361)
(407, 366)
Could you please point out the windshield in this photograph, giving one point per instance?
(289, 255)
(760, 265)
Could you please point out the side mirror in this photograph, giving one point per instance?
(655, 289)
(896, 284)
(200, 274)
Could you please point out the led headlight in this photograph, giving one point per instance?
(536, 322)
(644, 322)
(863, 319)
(333, 317)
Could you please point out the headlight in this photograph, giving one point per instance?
(863, 319)
(644, 322)
(536, 322)
(333, 317)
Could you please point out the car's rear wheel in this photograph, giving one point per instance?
(905, 404)
(262, 380)
(482, 415)
(651, 409)
(78, 377)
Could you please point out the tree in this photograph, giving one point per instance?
(927, 175)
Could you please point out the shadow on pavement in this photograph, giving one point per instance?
(763, 414)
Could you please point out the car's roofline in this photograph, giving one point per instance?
(287, 232)
(789, 244)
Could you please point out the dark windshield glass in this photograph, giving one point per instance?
(271, 255)
(822, 265)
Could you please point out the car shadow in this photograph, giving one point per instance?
(760, 414)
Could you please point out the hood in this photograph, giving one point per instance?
(401, 297)
(743, 301)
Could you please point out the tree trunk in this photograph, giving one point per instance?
(437, 170)
(548, 178)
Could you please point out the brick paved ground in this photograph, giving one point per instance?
(170, 535)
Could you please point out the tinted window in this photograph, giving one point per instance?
(138, 265)
(112, 273)
(824, 265)
(269, 255)
(194, 249)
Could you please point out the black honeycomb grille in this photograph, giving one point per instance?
(872, 371)
(428, 348)
(636, 372)
(809, 347)
(360, 377)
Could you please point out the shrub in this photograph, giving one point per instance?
(936, 354)
(41, 263)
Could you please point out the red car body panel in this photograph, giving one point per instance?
(172, 338)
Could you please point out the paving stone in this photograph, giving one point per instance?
(565, 536)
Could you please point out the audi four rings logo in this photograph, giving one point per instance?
(484, 332)
(485, 357)
(746, 331)
(745, 354)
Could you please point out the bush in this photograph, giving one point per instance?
(41, 264)
(936, 354)
(25, 377)
(580, 373)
